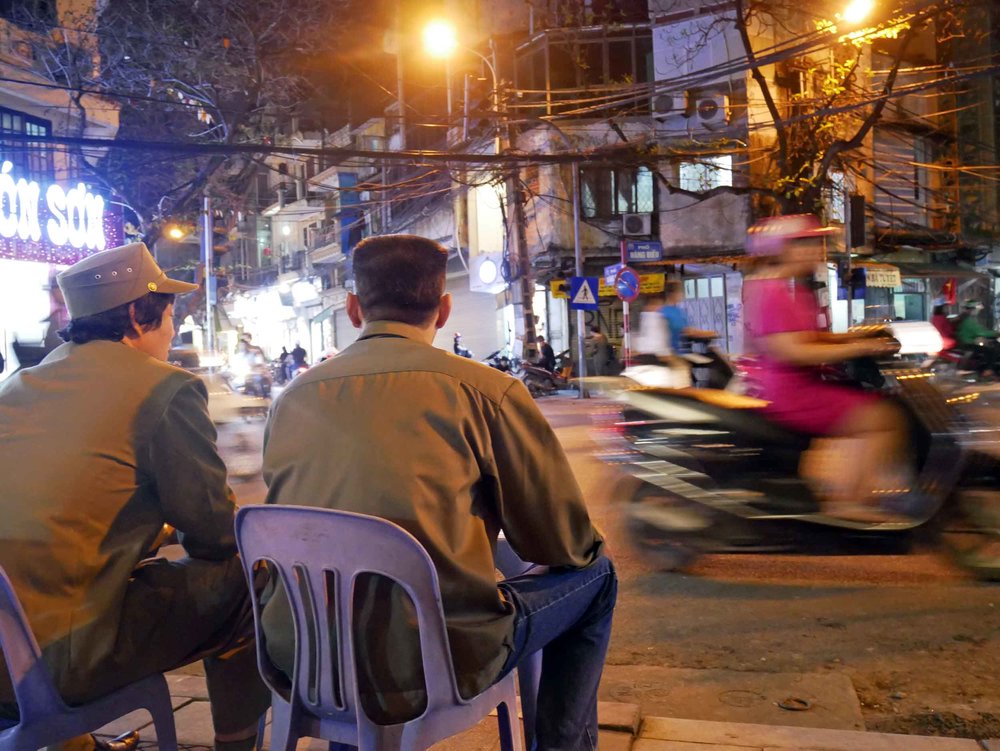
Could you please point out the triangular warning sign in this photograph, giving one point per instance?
(584, 295)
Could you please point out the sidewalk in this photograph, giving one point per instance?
(623, 728)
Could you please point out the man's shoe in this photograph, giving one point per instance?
(125, 742)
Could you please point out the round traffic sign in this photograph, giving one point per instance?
(627, 284)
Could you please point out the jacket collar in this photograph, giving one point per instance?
(394, 328)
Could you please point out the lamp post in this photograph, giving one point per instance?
(441, 40)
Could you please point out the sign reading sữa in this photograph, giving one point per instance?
(52, 223)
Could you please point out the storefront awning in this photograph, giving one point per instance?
(940, 271)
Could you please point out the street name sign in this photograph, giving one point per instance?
(643, 250)
(611, 272)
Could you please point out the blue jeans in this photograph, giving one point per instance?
(566, 613)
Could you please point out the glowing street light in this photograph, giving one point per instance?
(175, 233)
(857, 11)
(440, 39)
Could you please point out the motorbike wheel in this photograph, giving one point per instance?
(972, 534)
(665, 529)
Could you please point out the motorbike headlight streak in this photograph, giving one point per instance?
(917, 338)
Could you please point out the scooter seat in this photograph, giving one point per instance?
(740, 413)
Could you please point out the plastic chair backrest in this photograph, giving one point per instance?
(319, 554)
(34, 691)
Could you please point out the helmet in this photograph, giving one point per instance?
(768, 236)
(972, 305)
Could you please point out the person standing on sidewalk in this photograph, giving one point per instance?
(454, 452)
(101, 445)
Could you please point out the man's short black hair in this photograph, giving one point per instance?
(399, 278)
(115, 324)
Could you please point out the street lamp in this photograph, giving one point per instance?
(857, 11)
(174, 232)
(441, 41)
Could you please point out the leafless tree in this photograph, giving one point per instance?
(189, 71)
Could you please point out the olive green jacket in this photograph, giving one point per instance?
(452, 451)
(100, 445)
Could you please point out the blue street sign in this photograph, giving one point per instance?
(583, 292)
(627, 284)
(610, 272)
(643, 250)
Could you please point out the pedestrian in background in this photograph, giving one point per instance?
(599, 351)
(546, 355)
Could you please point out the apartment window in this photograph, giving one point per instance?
(707, 173)
(606, 193)
(31, 159)
(30, 12)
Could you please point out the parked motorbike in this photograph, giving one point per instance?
(542, 382)
(707, 472)
(501, 362)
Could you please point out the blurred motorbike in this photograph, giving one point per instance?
(706, 471)
(252, 379)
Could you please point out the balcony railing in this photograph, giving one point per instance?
(328, 234)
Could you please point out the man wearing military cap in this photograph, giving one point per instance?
(101, 445)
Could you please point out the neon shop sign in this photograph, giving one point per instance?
(50, 217)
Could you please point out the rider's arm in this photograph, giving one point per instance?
(700, 333)
(808, 348)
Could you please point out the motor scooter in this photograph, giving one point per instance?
(501, 362)
(542, 382)
(705, 471)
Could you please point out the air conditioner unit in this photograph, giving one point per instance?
(637, 225)
(709, 109)
(665, 104)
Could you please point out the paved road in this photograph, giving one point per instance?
(919, 640)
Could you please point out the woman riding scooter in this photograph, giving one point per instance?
(783, 330)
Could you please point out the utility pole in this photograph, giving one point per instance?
(523, 286)
(581, 335)
(206, 257)
(400, 88)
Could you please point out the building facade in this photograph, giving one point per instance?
(50, 215)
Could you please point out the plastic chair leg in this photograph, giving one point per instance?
(507, 723)
(162, 712)
(529, 674)
(283, 734)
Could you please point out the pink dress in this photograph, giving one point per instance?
(798, 398)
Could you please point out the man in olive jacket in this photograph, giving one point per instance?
(101, 445)
(454, 452)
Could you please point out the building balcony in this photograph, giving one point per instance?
(325, 244)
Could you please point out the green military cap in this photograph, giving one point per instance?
(115, 277)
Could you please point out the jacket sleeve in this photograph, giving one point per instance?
(190, 476)
(541, 509)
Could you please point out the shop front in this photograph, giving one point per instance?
(44, 227)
